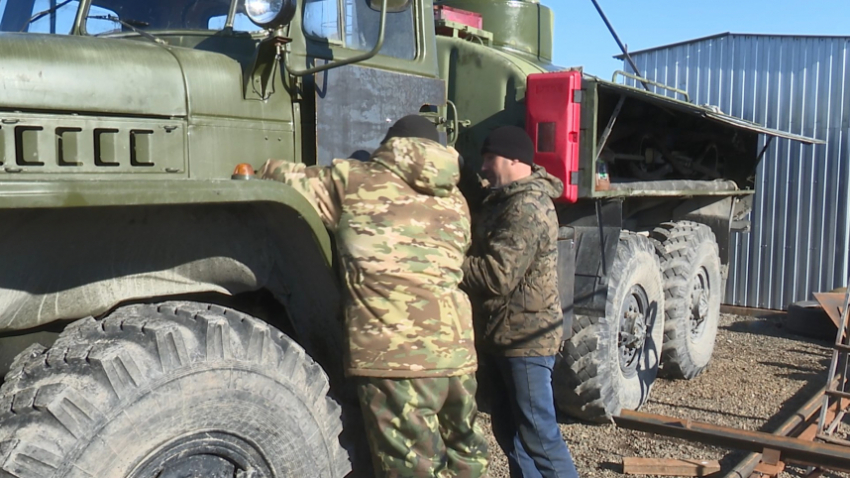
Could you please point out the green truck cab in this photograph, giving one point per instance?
(161, 315)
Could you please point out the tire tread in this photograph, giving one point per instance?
(65, 392)
(676, 244)
(583, 387)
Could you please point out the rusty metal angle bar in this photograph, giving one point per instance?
(822, 454)
(764, 149)
(840, 358)
(811, 430)
(832, 439)
(803, 415)
(607, 131)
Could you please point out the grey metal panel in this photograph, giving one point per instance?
(799, 242)
(702, 111)
(356, 105)
(727, 119)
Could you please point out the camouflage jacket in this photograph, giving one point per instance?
(402, 228)
(511, 272)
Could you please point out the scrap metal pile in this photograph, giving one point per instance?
(807, 438)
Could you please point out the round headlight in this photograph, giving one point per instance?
(270, 13)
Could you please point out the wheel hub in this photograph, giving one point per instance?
(699, 304)
(633, 329)
(205, 455)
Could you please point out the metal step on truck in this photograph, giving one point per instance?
(161, 315)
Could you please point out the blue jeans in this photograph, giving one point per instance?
(523, 416)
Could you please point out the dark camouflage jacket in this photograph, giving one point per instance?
(511, 272)
(402, 228)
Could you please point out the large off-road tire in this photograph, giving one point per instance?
(690, 262)
(173, 390)
(610, 362)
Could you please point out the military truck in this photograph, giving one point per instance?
(164, 315)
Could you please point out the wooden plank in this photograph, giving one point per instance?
(670, 467)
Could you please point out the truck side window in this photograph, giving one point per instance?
(321, 19)
(361, 24)
(14, 15)
(152, 15)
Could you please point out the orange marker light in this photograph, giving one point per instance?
(243, 171)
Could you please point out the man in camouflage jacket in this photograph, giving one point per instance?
(511, 274)
(402, 228)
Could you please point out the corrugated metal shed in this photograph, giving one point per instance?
(800, 237)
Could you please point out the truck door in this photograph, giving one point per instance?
(355, 104)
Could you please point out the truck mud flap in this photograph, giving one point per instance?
(567, 276)
(596, 226)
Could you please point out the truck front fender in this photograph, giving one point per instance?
(96, 193)
(70, 250)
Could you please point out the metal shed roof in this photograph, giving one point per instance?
(725, 34)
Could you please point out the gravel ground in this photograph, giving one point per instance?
(759, 375)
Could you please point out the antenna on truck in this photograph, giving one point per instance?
(622, 47)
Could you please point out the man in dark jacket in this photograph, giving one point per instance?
(511, 274)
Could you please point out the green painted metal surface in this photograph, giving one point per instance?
(76, 194)
(487, 86)
(81, 75)
(521, 27)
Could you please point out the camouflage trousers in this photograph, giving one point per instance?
(423, 427)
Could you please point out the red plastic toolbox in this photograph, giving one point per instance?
(553, 120)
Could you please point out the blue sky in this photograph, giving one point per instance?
(581, 38)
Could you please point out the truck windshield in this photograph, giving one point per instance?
(41, 16)
(57, 16)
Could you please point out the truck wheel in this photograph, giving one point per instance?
(690, 261)
(610, 362)
(170, 390)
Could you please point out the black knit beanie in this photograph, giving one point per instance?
(412, 126)
(510, 142)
